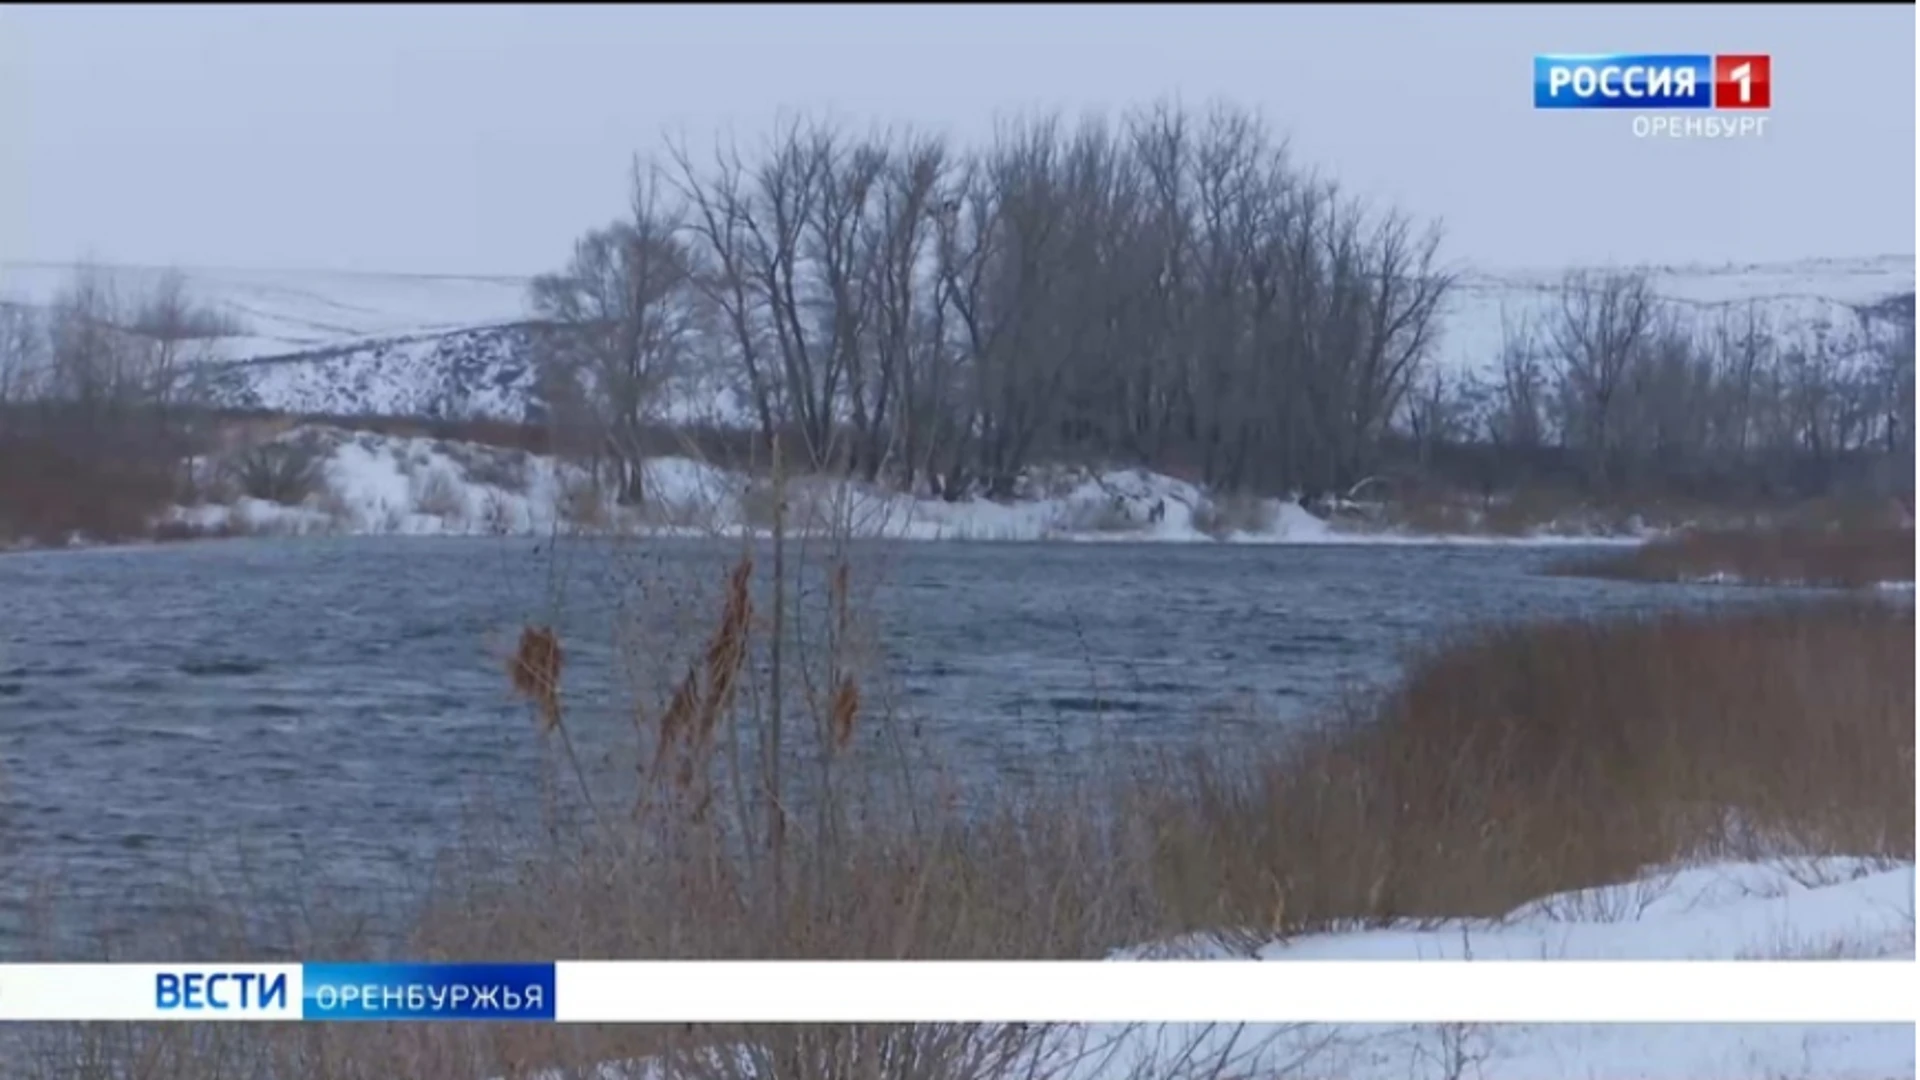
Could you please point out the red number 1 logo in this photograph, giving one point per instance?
(1743, 82)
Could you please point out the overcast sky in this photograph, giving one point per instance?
(480, 140)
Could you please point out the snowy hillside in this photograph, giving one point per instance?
(1796, 298)
(484, 372)
(345, 343)
(294, 311)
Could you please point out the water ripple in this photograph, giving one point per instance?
(331, 707)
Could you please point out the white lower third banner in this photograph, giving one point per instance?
(1059, 991)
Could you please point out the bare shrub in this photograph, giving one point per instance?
(340, 514)
(499, 515)
(436, 493)
(285, 471)
(810, 504)
(503, 469)
(1112, 515)
(581, 500)
(1530, 510)
(1223, 515)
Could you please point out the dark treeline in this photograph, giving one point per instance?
(1170, 290)
(1610, 389)
(98, 406)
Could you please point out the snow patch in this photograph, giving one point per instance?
(397, 485)
(1785, 908)
(1721, 577)
(1775, 909)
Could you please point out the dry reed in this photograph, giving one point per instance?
(535, 672)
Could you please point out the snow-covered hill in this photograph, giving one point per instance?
(321, 342)
(481, 372)
(1796, 298)
(297, 311)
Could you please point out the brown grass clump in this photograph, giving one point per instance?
(1534, 760)
(1842, 558)
(535, 672)
(54, 487)
(845, 711)
(727, 650)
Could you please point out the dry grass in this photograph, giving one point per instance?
(54, 487)
(535, 673)
(1838, 557)
(1543, 759)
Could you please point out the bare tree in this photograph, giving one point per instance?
(722, 220)
(1743, 346)
(90, 360)
(622, 323)
(904, 330)
(1601, 327)
(22, 356)
(1405, 289)
(178, 333)
(1518, 419)
(1437, 412)
(1893, 377)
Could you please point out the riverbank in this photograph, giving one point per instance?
(1703, 785)
(321, 480)
(1862, 555)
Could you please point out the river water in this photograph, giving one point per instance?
(320, 714)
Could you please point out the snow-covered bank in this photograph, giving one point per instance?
(1825, 908)
(1819, 907)
(1736, 579)
(366, 483)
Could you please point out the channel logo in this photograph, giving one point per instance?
(1647, 82)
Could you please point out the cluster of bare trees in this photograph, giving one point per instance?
(1168, 290)
(96, 402)
(98, 355)
(1638, 391)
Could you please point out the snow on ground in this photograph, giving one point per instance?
(1816, 907)
(386, 485)
(1724, 578)
(1826, 908)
